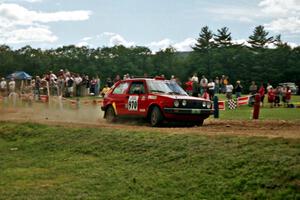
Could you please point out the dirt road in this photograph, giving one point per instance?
(92, 116)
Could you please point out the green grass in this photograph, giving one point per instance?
(44, 162)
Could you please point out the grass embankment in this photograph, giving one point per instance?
(39, 161)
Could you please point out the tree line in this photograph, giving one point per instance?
(214, 54)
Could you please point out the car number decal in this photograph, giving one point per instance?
(133, 103)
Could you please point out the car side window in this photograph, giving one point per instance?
(121, 89)
(137, 88)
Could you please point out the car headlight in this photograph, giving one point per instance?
(204, 104)
(176, 103)
(208, 104)
(184, 103)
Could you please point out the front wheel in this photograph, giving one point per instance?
(110, 115)
(156, 117)
(199, 123)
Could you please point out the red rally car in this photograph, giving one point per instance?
(156, 100)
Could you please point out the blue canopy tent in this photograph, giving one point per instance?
(20, 75)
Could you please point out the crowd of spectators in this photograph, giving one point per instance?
(207, 88)
(68, 84)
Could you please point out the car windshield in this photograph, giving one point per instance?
(164, 86)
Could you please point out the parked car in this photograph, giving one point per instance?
(156, 100)
(293, 87)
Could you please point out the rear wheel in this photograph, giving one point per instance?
(156, 117)
(110, 114)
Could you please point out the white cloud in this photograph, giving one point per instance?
(285, 14)
(116, 39)
(160, 45)
(30, 34)
(20, 25)
(33, 1)
(82, 43)
(289, 25)
(280, 8)
(185, 45)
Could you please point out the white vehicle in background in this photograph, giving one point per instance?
(293, 87)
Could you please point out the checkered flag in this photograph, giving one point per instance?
(232, 104)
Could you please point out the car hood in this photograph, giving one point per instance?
(181, 97)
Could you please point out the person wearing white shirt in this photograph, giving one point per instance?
(12, 85)
(229, 89)
(211, 88)
(3, 87)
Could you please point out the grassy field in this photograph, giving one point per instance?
(266, 113)
(48, 162)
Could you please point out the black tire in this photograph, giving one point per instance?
(110, 115)
(199, 123)
(156, 117)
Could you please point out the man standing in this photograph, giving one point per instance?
(77, 81)
(238, 89)
(12, 85)
(229, 89)
(195, 81)
(203, 84)
(211, 88)
(3, 87)
(253, 88)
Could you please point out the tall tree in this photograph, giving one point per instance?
(205, 40)
(204, 45)
(223, 37)
(260, 38)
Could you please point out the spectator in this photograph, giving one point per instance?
(277, 97)
(70, 82)
(261, 92)
(87, 85)
(116, 79)
(211, 88)
(195, 85)
(195, 78)
(238, 89)
(189, 86)
(271, 96)
(229, 89)
(97, 86)
(288, 95)
(93, 86)
(61, 85)
(109, 83)
(253, 88)
(37, 87)
(205, 94)
(203, 84)
(12, 85)
(269, 86)
(104, 90)
(77, 81)
(217, 85)
(3, 87)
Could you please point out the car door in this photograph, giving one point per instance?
(119, 98)
(137, 99)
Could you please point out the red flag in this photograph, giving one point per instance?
(243, 100)
(221, 105)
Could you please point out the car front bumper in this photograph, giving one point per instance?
(188, 111)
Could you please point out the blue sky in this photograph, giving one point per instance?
(156, 23)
